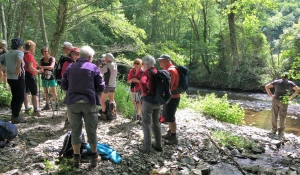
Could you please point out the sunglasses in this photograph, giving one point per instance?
(137, 63)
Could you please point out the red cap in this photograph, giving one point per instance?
(74, 49)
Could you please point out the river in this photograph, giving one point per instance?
(257, 108)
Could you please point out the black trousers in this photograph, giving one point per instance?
(18, 91)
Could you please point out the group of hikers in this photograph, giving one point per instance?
(87, 86)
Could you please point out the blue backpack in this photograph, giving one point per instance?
(183, 80)
(162, 80)
(7, 131)
(106, 152)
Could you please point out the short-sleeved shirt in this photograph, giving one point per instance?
(281, 87)
(135, 74)
(110, 72)
(11, 58)
(28, 57)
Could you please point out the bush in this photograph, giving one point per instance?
(221, 109)
(123, 99)
(230, 140)
(184, 101)
(5, 96)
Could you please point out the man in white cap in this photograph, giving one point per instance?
(109, 70)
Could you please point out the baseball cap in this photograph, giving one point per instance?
(16, 43)
(109, 56)
(74, 49)
(67, 45)
(164, 56)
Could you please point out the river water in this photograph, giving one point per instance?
(257, 108)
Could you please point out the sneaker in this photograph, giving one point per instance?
(95, 159)
(167, 136)
(76, 160)
(171, 141)
(36, 113)
(46, 107)
(102, 117)
(16, 120)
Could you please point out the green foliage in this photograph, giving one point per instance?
(286, 98)
(184, 101)
(230, 140)
(65, 167)
(5, 96)
(221, 109)
(49, 166)
(123, 99)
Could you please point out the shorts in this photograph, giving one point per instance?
(136, 96)
(109, 89)
(49, 83)
(30, 84)
(170, 109)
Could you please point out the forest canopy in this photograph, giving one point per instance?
(227, 44)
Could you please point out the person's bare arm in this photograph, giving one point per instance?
(268, 87)
(31, 68)
(296, 91)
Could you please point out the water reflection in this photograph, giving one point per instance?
(257, 108)
(262, 119)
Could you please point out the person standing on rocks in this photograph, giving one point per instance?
(134, 76)
(280, 100)
(150, 109)
(31, 69)
(109, 69)
(170, 108)
(15, 78)
(84, 84)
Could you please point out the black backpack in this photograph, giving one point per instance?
(7, 131)
(67, 150)
(162, 80)
(183, 80)
(58, 67)
(111, 112)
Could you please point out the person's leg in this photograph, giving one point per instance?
(45, 88)
(274, 111)
(146, 121)
(102, 100)
(111, 97)
(170, 111)
(282, 115)
(90, 116)
(156, 127)
(4, 78)
(14, 91)
(20, 95)
(75, 116)
(26, 102)
(1, 74)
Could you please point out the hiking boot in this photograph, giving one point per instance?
(76, 160)
(46, 107)
(281, 134)
(171, 141)
(36, 113)
(159, 149)
(144, 151)
(102, 117)
(16, 120)
(95, 158)
(167, 136)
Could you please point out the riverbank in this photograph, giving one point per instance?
(41, 139)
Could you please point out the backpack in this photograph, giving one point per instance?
(58, 67)
(183, 80)
(7, 131)
(67, 150)
(111, 112)
(162, 80)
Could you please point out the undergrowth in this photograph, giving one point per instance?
(5, 96)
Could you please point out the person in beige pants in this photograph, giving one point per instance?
(280, 98)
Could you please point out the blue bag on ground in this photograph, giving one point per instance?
(106, 152)
(7, 131)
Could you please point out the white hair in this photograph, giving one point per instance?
(149, 60)
(86, 51)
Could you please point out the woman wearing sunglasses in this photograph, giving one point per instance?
(134, 77)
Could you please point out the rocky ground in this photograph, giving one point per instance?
(36, 148)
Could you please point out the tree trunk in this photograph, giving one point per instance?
(42, 23)
(154, 21)
(11, 15)
(232, 33)
(60, 26)
(3, 23)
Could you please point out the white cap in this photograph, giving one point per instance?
(67, 45)
(109, 56)
(3, 42)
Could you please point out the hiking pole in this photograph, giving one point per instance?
(39, 80)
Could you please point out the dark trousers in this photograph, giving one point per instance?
(18, 91)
